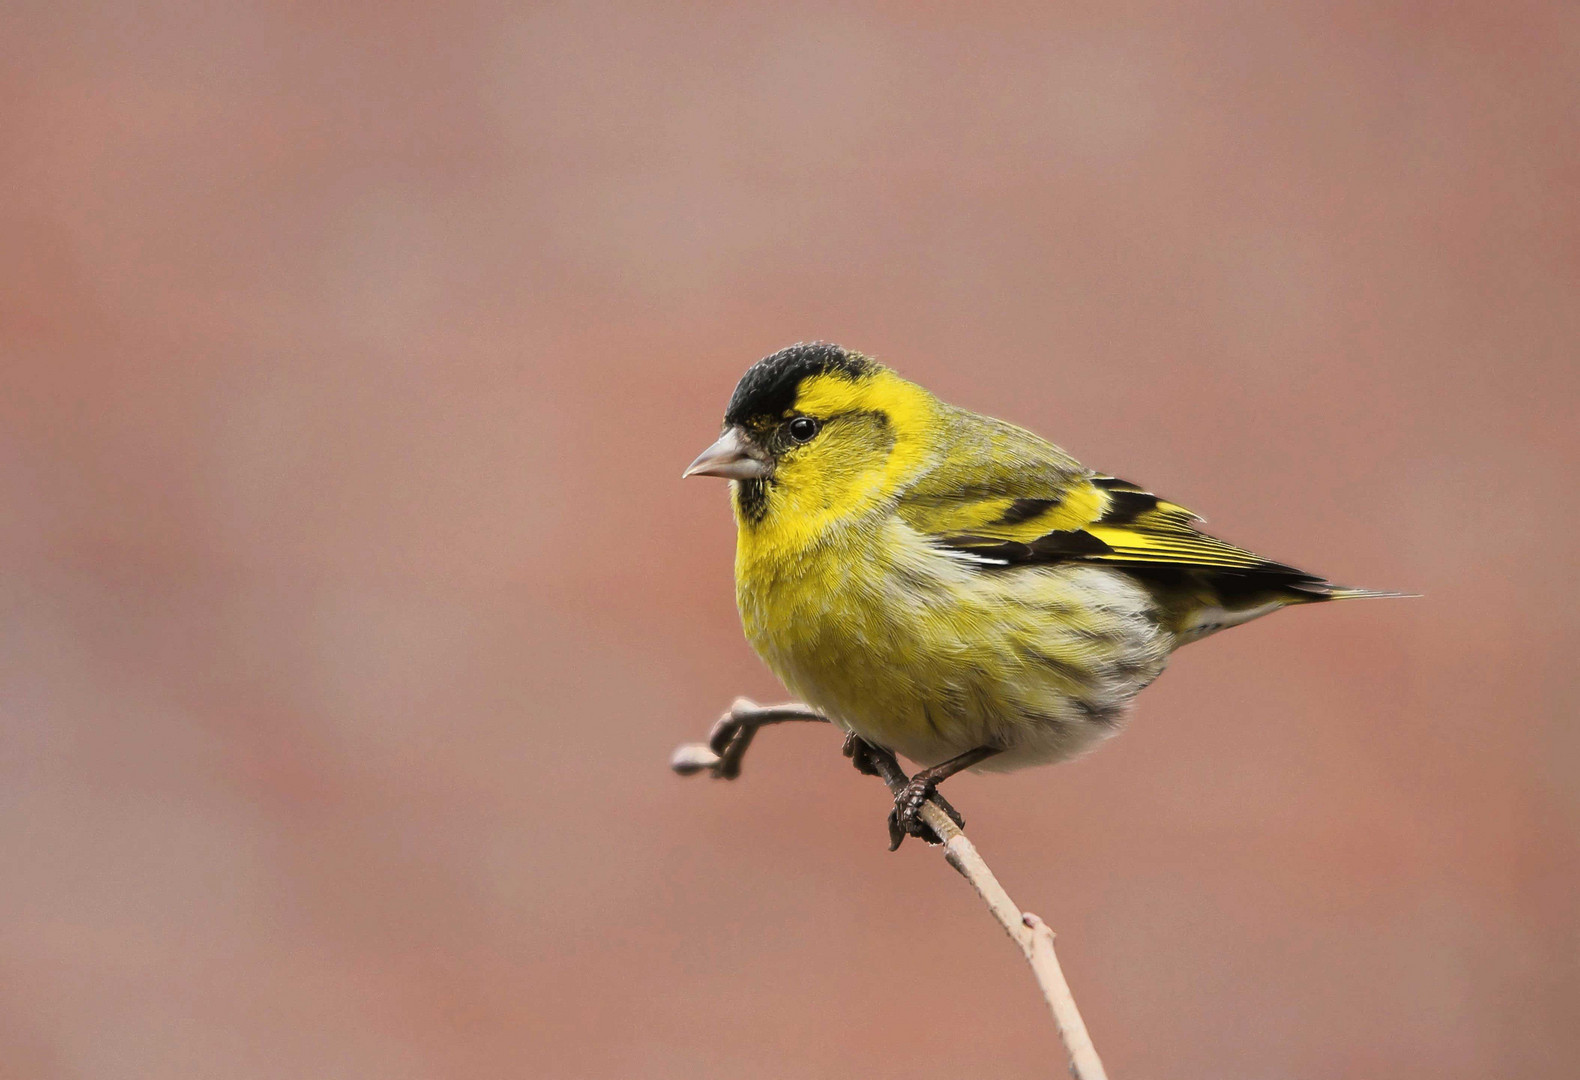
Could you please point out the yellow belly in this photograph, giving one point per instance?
(918, 651)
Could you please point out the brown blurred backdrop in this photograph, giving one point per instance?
(352, 603)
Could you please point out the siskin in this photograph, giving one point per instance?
(954, 588)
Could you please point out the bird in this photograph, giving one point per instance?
(951, 587)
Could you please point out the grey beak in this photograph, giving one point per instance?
(734, 457)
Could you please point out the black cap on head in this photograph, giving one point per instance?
(769, 386)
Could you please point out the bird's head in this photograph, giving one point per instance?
(817, 432)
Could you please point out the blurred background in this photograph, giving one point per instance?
(352, 603)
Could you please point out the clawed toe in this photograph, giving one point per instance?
(908, 805)
(906, 817)
(902, 825)
(910, 796)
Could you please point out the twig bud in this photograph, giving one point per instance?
(692, 758)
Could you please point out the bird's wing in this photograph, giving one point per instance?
(1003, 497)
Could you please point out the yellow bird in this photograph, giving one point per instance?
(951, 587)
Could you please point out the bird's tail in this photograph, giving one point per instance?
(1311, 591)
(1236, 603)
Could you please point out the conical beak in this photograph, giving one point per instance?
(734, 457)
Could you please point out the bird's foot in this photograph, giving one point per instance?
(861, 755)
(906, 817)
(911, 793)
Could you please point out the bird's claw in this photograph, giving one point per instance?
(906, 817)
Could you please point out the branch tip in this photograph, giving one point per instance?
(692, 758)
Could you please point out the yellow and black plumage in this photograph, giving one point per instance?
(952, 587)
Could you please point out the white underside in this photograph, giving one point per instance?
(1211, 620)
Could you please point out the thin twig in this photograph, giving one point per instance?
(722, 757)
(1034, 937)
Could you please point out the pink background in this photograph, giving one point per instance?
(352, 602)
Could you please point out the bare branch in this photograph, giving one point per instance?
(722, 755)
(732, 734)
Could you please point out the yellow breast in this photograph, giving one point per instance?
(833, 621)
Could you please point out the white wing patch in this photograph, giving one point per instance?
(969, 556)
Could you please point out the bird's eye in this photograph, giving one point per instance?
(802, 428)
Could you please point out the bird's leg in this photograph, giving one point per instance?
(733, 733)
(905, 819)
(873, 760)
